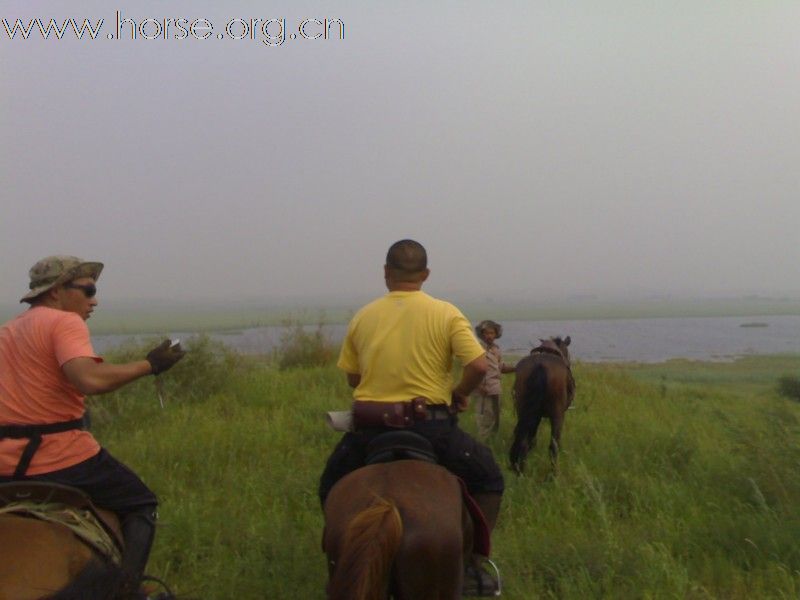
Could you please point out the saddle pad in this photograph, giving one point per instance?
(481, 543)
(81, 522)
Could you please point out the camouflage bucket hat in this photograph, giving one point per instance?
(55, 270)
(489, 324)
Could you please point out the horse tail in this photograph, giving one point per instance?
(367, 552)
(529, 405)
(536, 390)
(532, 401)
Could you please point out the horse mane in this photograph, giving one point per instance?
(368, 549)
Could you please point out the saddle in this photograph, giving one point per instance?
(549, 347)
(405, 445)
(399, 445)
(67, 506)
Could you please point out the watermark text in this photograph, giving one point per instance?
(271, 32)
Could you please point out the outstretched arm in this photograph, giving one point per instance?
(92, 377)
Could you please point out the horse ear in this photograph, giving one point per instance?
(567, 340)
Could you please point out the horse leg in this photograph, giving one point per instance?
(519, 449)
(440, 579)
(524, 440)
(430, 562)
(556, 424)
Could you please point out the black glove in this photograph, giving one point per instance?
(164, 356)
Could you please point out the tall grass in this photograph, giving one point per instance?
(300, 346)
(675, 481)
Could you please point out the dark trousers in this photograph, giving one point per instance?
(109, 483)
(455, 449)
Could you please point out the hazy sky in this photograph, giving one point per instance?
(552, 148)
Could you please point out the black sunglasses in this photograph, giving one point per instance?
(89, 289)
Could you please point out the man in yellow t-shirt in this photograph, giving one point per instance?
(401, 347)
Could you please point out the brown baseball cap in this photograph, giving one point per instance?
(56, 270)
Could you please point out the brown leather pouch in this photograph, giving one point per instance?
(368, 413)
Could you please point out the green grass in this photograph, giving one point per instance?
(677, 480)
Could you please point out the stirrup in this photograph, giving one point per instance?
(480, 582)
(152, 594)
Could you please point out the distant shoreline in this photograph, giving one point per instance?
(126, 318)
(594, 340)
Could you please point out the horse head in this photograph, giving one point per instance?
(562, 346)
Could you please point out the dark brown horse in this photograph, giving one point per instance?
(399, 530)
(543, 387)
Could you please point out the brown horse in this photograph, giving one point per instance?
(399, 530)
(42, 559)
(45, 560)
(543, 387)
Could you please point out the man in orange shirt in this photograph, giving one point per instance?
(47, 367)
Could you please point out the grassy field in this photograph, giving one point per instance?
(678, 480)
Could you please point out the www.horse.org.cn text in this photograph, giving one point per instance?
(271, 32)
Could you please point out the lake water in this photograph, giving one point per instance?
(641, 340)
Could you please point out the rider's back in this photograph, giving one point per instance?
(402, 345)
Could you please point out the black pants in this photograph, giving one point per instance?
(456, 451)
(109, 483)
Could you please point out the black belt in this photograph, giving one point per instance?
(34, 433)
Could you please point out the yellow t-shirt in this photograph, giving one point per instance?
(403, 344)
